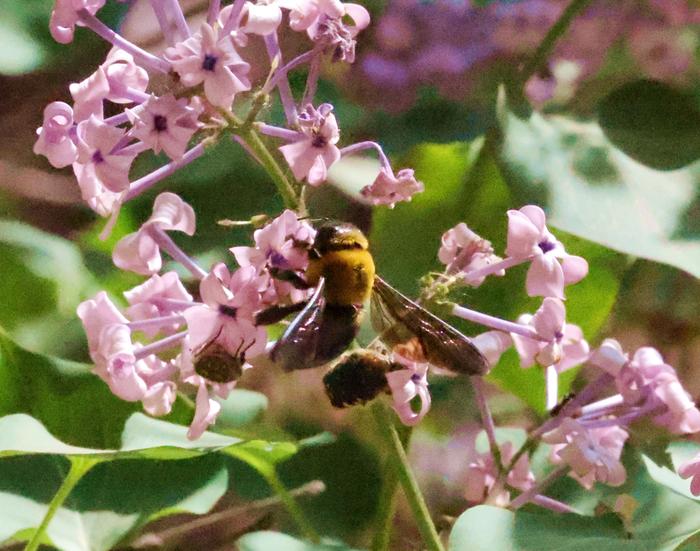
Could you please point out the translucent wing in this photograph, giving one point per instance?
(296, 348)
(397, 319)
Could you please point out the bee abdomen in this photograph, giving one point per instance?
(357, 378)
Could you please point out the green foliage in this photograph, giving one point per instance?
(264, 541)
(652, 123)
(615, 202)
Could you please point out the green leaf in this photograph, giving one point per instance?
(652, 123)
(680, 452)
(662, 521)
(42, 280)
(267, 540)
(613, 201)
(240, 408)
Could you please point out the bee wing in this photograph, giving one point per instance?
(397, 319)
(297, 346)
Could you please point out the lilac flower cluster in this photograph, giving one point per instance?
(459, 47)
(167, 339)
(587, 434)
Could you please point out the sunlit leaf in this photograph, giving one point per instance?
(264, 541)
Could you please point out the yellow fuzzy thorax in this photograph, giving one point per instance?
(349, 275)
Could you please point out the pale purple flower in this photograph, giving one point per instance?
(691, 469)
(521, 26)
(89, 95)
(646, 378)
(124, 76)
(463, 251)
(54, 141)
(492, 344)
(663, 53)
(609, 356)
(313, 154)
(205, 413)
(482, 475)
(593, 454)
(388, 189)
(228, 312)
(115, 363)
(96, 314)
(304, 13)
(563, 344)
(158, 399)
(102, 173)
(335, 34)
(138, 252)
(64, 17)
(158, 296)
(551, 268)
(405, 385)
(164, 123)
(208, 58)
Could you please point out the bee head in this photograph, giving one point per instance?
(337, 236)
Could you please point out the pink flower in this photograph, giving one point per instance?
(157, 297)
(663, 53)
(405, 385)
(388, 189)
(593, 454)
(227, 315)
(492, 344)
(64, 17)
(646, 378)
(89, 94)
(529, 238)
(54, 140)
(158, 399)
(609, 357)
(164, 123)
(482, 476)
(116, 364)
(96, 314)
(563, 345)
(206, 57)
(691, 468)
(102, 173)
(463, 251)
(335, 34)
(205, 413)
(304, 13)
(124, 76)
(138, 252)
(313, 154)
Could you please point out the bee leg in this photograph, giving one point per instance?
(290, 276)
(274, 314)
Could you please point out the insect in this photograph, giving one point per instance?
(342, 271)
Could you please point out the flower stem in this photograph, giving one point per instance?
(495, 323)
(397, 456)
(284, 187)
(293, 507)
(387, 500)
(546, 47)
(79, 465)
(487, 420)
(538, 488)
(164, 241)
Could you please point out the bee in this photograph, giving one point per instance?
(341, 271)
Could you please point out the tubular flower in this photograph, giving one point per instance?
(405, 385)
(55, 141)
(140, 252)
(164, 123)
(563, 344)
(389, 189)
(482, 476)
(64, 17)
(593, 454)
(210, 59)
(551, 267)
(312, 155)
(463, 251)
(335, 35)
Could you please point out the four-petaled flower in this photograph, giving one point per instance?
(139, 252)
(164, 123)
(463, 251)
(551, 267)
(388, 189)
(208, 58)
(405, 385)
(315, 151)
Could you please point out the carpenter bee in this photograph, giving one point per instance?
(341, 270)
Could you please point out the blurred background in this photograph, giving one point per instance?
(425, 85)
